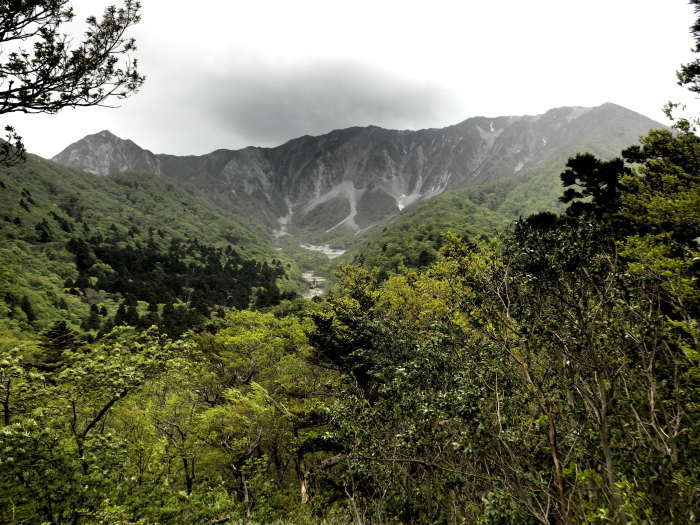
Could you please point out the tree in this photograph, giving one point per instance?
(689, 75)
(41, 71)
(93, 321)
(43, 231)
(26, 306)
(19, 386)
(596, 179)
(58, 338)
(61, 463)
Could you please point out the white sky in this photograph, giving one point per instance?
(227, 74)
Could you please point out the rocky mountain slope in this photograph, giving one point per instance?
(344, 182)
(104, 153)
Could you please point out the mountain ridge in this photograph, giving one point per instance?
(349, 180)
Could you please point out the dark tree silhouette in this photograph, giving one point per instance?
(58, 338)
(92, 322)
(689, 74)
(42, 71)
(26, 306)
(589, 177)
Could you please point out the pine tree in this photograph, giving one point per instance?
(56, 340)
(120, 316)
(132, 316)
(43, 231)
(26, 306)
(93, 321)
(51, 72)
(595, 179)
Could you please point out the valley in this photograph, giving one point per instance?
(336, 192)
(382, 198)
(282, 340)
(317, 283)
(349, 307)
(358, 309)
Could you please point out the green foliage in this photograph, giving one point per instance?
(689, 74)
(59, 460)
(413, 239)
(576, 341)
(550, 376)
(84, 240)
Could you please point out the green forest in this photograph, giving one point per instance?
(547, 375)
(158, 365)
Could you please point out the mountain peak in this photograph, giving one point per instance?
(104, 153)
(351, 179)
(105, 133)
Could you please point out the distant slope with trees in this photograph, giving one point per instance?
(73, 242)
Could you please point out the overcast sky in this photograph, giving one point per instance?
(228, 74)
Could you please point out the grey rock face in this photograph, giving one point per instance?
(104, 153)
(354, 178)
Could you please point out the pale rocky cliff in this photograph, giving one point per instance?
(350, 179)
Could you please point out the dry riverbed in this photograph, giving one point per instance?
(316, 282)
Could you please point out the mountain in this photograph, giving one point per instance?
(329, 187)
(104, 153)
(413, 238)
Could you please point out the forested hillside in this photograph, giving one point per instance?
(96, 252)
(413, 238)
(548, 377)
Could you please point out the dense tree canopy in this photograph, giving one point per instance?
(550, 376)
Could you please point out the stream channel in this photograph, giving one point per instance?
(316, 282)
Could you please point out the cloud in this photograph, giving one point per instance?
(266, 105)
(233, 74)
